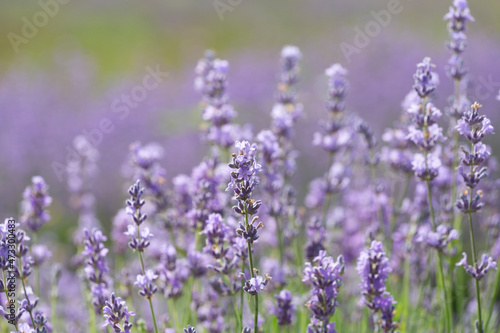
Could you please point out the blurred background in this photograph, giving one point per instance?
(63, 64)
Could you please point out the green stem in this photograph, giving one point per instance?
(406, 282)
(144, 273)
(496, 290)
(449, 322)
(241, 294)
(53, 305)
(92, 318)
(455, 217)
(25, 292)
(474, 252)
(256, 318)
(380, 214)
(173, 313)
(396, 209)
(37, 269)
(280, 241)
(478, 290)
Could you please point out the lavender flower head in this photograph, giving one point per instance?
(244, 178)
(96, 268)
(478, 270)
(373, 268)
(115, 312)
(146, 285)
(255, 285)
(82, 169)
(337, 88)
(135, 203)
(189, 329)
(36, 200)
(425, 80)
(284, 309)
(326, 279)
(145, 160)
(474, 127)
(286, 110)
(458, 15)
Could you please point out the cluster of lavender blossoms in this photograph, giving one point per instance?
(96, 268)
(325, 277)
(117, 315)
(373, 268)
(244, 179)
(200, 235)
(211, 81)
(457, 17)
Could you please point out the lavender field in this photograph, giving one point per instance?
(250, 167)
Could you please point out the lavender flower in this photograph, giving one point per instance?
(36, 200)
(337, 87)
(441, 238)
(145, 160)
(479, 269)
(474, 127)
(115, 311)
(425, 80)
(256, 284)
(146, 285)
(458, 15)
(326, 279)
(243, 182)
(135, 203)
(218, 245)
(139, 239)
(373, 268)
(286, 110)
(140, 242)
(284, 309)
(80, 171)
(316, 239)
(96, 268)
(211, 81)
(189, 329)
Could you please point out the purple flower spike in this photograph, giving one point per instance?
(36, 200)
(474, 127)
(256, 284)
(458, 15)
(479, 270)
(96, 267)
(326, 279)
(115, 312)
(189, 329)
(337, 87)
(146, 285)
(373, 268)
(284, 309)
(424, 79)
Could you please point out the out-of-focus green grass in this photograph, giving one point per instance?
(119, 34)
